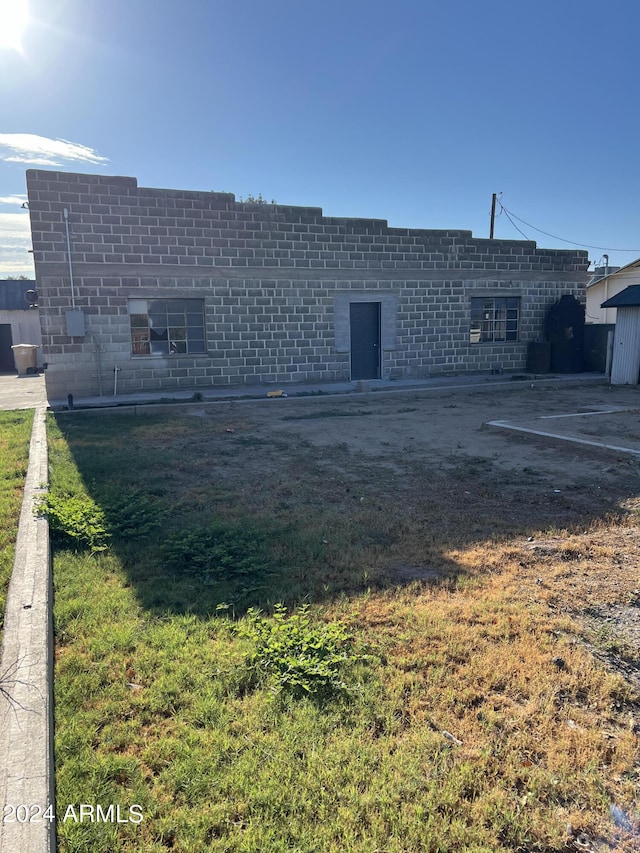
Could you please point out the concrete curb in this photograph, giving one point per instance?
(505, 426)
(26, 669)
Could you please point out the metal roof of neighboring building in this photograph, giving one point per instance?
(627, 298)
(12, 294)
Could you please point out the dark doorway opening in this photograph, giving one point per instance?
(365, 340)
(7, 364)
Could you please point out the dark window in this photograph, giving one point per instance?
(167, 326)
(494, 320)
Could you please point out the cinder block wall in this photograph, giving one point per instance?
(276, 283)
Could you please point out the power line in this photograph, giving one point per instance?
(506, 212)
(510, 214)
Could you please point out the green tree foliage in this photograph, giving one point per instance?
(252, 199)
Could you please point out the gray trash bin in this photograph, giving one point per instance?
(26, 358)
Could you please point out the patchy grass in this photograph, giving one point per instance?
(460, 714)
(327, 413)
(15, 435)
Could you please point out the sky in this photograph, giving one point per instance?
(413, 111)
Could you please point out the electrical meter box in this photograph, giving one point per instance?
(75, 323)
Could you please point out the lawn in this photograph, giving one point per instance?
(416, 690)
(15, 435)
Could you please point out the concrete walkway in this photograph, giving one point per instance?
(28, 392)
(26, 675)
(469, 382)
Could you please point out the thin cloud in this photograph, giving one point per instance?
(33, 161)
(13, 199)
(37, 150)
(15, 242)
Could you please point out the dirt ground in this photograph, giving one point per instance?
(395, 434)
(569, 511)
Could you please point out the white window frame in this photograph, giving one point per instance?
(163, 328)
(495, 320)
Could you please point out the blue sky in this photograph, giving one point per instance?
(413, 111)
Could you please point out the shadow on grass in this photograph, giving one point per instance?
(205, 518)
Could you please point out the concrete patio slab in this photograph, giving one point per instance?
(22, 392)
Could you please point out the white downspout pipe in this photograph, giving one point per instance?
(606, 285)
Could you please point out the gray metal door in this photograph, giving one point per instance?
(365, 340)
(7, 363)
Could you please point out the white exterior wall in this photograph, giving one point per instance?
(25, 328)
(606, 288)
(626, 347)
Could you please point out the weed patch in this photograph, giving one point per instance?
(292, 654)
(327, 413)
(74, 520)
(217, 552)
(132, 515)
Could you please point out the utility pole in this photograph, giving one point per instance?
(493, 215)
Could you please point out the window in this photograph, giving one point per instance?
(166, 326)
(494, 320)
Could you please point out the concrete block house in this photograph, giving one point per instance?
(181, 289)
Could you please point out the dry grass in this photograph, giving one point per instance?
(495, 662)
